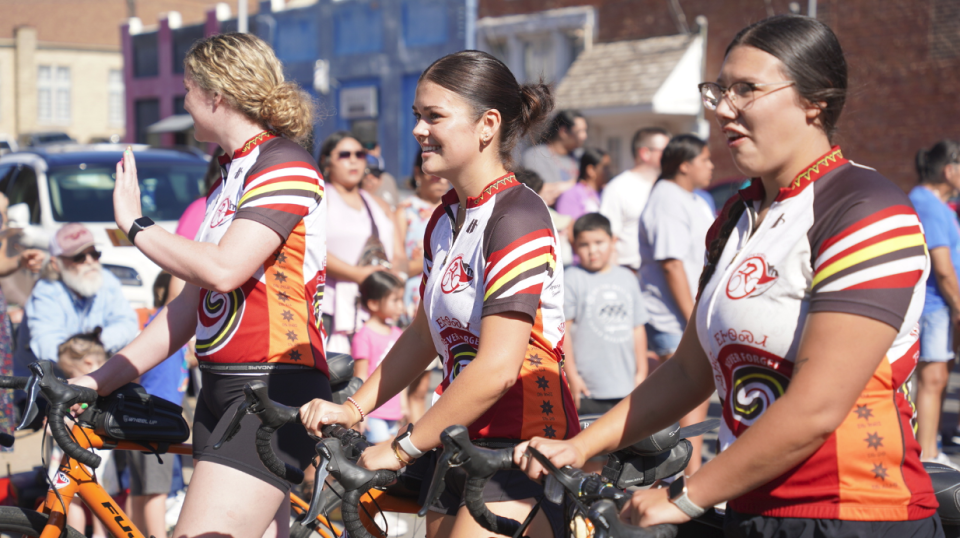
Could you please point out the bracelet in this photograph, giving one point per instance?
(396, 452)
(359, 410)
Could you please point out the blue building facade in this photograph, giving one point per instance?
(359, 58)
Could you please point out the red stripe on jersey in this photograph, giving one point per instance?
(502, 253)
(293, 209)
(431, 224)
(902, 280)
(896, 232)
(904, 366)
(281, 166)
(863, 223)
(535, 253)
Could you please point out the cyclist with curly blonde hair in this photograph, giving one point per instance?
(255, 279)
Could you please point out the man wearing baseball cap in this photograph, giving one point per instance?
(76, 295)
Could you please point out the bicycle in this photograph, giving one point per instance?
(362, 492)
(76, 474)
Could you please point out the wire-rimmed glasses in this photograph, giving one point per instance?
(739, 93)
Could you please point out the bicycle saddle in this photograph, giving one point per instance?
(946, 487)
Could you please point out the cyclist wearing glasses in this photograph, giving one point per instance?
(805, 324)
(492, 297)
(254, 281)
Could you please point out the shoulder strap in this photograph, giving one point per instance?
(373, 221)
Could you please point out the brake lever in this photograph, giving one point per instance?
(320, 478)
(444, 463)
(234, 428)
(32, 388)
(569, 483)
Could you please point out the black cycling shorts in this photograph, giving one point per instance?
(737, 525)
(510, 485)
(222, 394)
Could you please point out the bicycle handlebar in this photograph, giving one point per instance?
(61, 397)
(481, 464)
(336, 450)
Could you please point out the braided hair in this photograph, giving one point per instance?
(729, 217)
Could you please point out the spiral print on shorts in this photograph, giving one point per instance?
(219, 318)
(755, 388)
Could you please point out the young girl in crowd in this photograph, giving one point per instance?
(381, 295)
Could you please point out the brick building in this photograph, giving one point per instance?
(61, 66)
(903, 56)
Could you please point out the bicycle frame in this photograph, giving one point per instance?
(74, 478)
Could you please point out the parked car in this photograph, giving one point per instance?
(40, 139)
(51, 186)
(7, 145)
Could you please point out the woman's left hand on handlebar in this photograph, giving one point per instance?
(318, 413)
(652, 507)
(378, 457)
(82, 381)
(126, 192)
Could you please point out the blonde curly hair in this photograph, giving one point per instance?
(246, 72)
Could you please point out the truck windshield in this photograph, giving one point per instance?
(84, 193)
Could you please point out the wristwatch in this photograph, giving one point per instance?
(406, 444)
(678, 496)
(139, 225)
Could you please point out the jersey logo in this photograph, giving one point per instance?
(457, 276)
(751, 278)
(472, 227)
(778, 221)
(224, 210)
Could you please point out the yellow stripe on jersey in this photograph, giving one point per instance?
(868, 253)
(525, 266)
(282, 186)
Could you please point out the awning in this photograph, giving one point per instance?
(658, 75)
(172, 124)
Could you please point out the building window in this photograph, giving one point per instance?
(53, 94)
(352, 20)
(145, 55)
(183, 39)
(178, 108)
(147, 112)
(115, 106)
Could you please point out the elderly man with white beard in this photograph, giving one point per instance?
(75, 295)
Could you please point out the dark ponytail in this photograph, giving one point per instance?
(487, 84)
(931, 162)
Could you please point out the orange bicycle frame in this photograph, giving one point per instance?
(74, 478)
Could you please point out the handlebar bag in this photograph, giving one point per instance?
(131, 414)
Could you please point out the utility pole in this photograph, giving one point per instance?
(242, 16)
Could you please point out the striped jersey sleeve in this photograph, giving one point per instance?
(873, 242)
(520, 254)
(281, 188)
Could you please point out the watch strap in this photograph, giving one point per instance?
(138, 226)
(406, 444)
(678, 496)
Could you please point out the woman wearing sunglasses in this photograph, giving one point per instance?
(805, 323)
(254, 281)
(361, 239)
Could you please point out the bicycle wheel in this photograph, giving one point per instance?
(20, 522)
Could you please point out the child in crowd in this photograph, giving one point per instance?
(80, 355)
(381, 295)
(605, 346)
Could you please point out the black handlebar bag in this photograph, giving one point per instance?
(131, 414)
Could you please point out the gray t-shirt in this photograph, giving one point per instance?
(605, 307)
(549, 166)
(673, 225)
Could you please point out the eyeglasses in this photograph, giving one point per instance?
(359, 154)
(740, 93)
(82, 257)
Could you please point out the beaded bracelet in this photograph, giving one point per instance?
(355, 404)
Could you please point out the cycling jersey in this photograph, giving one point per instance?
(841, 238)
(274, 317)
(503, 260)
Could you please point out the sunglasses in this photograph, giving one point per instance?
(359, 154)
(82, 257)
